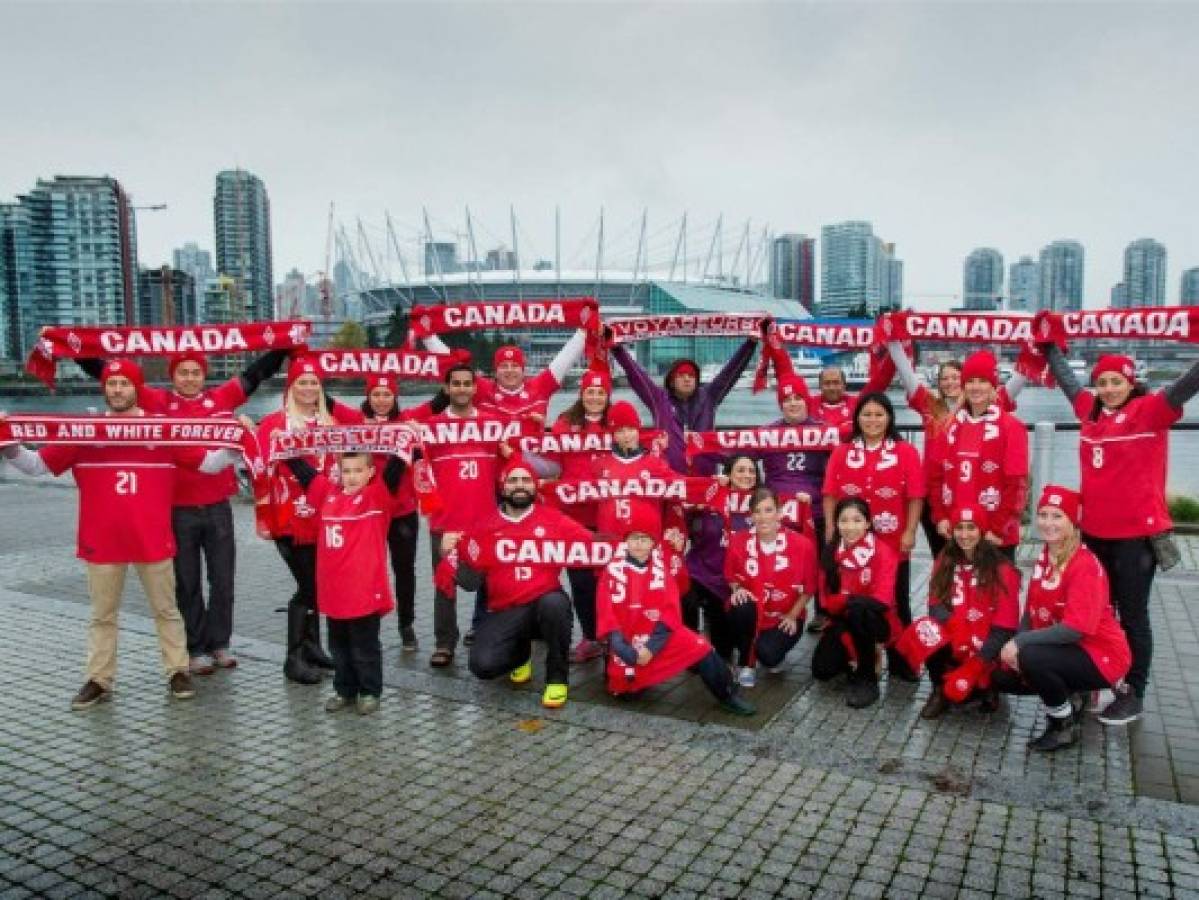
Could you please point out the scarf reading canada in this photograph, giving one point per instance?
(86, 342)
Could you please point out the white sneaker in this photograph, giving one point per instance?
(747, 678)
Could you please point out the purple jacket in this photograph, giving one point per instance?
(705, 556)
(790, 473)
(697, 413)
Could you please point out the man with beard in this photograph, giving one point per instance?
(524, 601)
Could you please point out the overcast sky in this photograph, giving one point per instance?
(948, 126)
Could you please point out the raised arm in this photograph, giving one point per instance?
(904, 368)
(643, 386)
(1182, 390)
(25, 460)
(1060, 366)
(261, 369)
(568, 355)
(727, 376)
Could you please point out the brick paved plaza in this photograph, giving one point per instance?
(464, 789)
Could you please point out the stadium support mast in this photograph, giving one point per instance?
(742, 244)
(637, 261)
(599, 253)
(712, 248)
(681, 242)
(515, 254)
(365, 246)
(445, 295)
(395, 244)
(476, 276)
(558, 247)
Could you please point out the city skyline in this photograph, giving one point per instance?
(847, 122)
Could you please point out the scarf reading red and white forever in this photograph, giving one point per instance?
(90, 342)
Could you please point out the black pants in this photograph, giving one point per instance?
(936, 543)
(582, 592)
(504, 639)
(1051, 671)
(720, 631)
(773, 644)
(445, 609)
(301, 562)
(939, 664)
(401, 545)
(903, 591)
(205, 542)
(1130, 565)
(716, 676)
(357, 656)
(865, 621)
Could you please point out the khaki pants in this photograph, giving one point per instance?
(105, 584)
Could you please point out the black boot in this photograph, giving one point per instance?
(898, 667)
(295, 668)
(1058, 733)
(314, 654)
(861, 690)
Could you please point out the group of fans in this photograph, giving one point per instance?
(677, 557)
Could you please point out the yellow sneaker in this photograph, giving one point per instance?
(521, 674)
(554, 696)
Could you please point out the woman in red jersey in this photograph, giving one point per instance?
(1069, 640)
(1123, 450)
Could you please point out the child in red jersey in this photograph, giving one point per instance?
(352, 587)
(639, 615)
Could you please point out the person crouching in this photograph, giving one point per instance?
(859, 597)
(639, 615)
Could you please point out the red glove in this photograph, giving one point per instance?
(961, 682)
(834, 604)
(920, 640)
(445, 578)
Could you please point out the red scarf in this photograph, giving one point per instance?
(576, 442)
(386, 438)
(543, 315)
(403, 364)
(959, 328)
(809, 438)
(857, 557)
(1172, 323)
(486, 551)
(82, 342)
(630, 329)
(682, 489)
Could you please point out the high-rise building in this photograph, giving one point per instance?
(982, 279)
(501, 259)
(441, 258)
(1188, 290)
(858, 272)
(18, 326)
(1145, 273)
(198, 264)
(69, 257)
(1024, 285)
(165, 296)
(793, 269)
(242, 217)
(1062, 264)
(1119, 295)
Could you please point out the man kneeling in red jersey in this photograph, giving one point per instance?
(525, 600)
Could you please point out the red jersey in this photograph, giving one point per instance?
(777, 574)
(465, 470)
(198, 488)
(974, 611)
(1122, 461)
(515, 584)
(404, 500)
(578, 466)
(292, 514)
(867, 568)
(986, 462)
(886, 477)
(124, 498)
(351, 550)
(612, 516)
(1078, 598)
(633, 600)
(532, 398)
(921, 401)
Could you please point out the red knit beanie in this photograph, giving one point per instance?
(509, 353)
(1068, 501)
(515, 463)
(981, 364)
(791, 386)
(198, 358)
(1114, 362)
(623, 414)
(595, 378)
(643, 520)
(301, 365)
(125, 368)
(380, 381)
(969, 512)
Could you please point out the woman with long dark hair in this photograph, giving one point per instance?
(858, 594)
(1123, 450)
(974, 595)
(879, 467)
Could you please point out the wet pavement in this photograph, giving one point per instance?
(461, 788)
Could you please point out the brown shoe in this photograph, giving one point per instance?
(200, 665)
(223, 659)
(181, 686)
(89, 695)
(935, 705)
